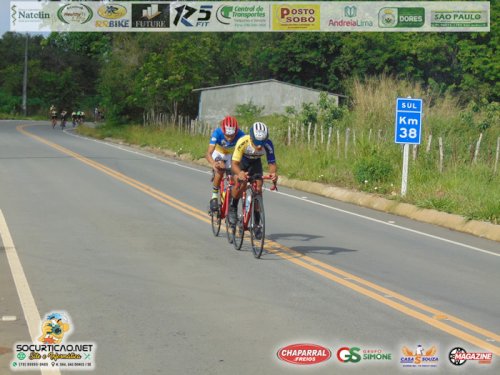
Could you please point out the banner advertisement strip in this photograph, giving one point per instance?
(257, 16)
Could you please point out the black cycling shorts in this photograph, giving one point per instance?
(252, 166)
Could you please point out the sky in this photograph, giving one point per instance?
(4, 16)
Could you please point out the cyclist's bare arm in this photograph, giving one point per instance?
(208, 156)
(215, 164)
(273, 170)
(237, 172)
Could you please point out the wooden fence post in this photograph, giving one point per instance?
(478, 145)
(497, 154)
(309, 134)
(315, 134)
(329, 138)
(441, 155)
(346, 146)
(338, 143)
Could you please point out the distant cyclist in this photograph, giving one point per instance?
(53, 115)
(74, 118)
(64, 118)
(219, 153)
(246, 161)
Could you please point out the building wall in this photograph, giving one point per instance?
(274, 96)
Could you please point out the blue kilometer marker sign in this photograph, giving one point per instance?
(408, 121)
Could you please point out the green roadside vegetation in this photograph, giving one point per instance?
(130, 76)
(464, 183)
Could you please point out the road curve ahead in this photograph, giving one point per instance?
(120, 240)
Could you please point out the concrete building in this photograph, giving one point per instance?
(219, 101)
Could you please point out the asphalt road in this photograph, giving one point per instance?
(120, 240)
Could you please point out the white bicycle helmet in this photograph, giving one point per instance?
(259, 133)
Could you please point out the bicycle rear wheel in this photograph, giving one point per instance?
(216, 221)
(239, 230)
(258, 243)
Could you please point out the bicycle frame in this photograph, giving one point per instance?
(246, 219)
(226, 184)
(248, 208)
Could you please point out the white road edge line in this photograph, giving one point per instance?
(304, 199)
(28, 304)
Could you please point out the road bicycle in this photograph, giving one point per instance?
(225, 186)
(54, 121)
(252, 204)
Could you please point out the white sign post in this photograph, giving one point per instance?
(408, 131)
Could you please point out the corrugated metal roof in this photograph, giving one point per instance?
(262, 81)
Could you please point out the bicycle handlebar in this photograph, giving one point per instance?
(258, 176)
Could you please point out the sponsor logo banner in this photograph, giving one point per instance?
(51, 349)
(401, 17)
(304, 354)
(459, 356)
(358, 16)
(257, 16)
(294, 16)
(112, 15)
(244, 16)
(421, 357)
(459, 18)
(151, 16)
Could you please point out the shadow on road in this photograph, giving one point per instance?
(292, 236)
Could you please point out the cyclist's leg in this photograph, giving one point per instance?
(256, 168)
(218, 175)
(238, 189)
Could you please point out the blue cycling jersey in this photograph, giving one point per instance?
(222, 144)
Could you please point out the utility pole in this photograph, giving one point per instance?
(25, 78)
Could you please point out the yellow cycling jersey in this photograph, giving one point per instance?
(245, 148)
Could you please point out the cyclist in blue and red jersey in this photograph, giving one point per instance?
(220, 150)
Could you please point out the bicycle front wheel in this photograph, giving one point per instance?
(239, 230)
(257, 230)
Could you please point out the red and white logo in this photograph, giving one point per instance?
(458, 356)
(304, 354)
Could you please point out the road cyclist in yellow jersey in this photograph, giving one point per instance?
(246, 162)
(220, 149)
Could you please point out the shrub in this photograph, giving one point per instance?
(372, 169)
